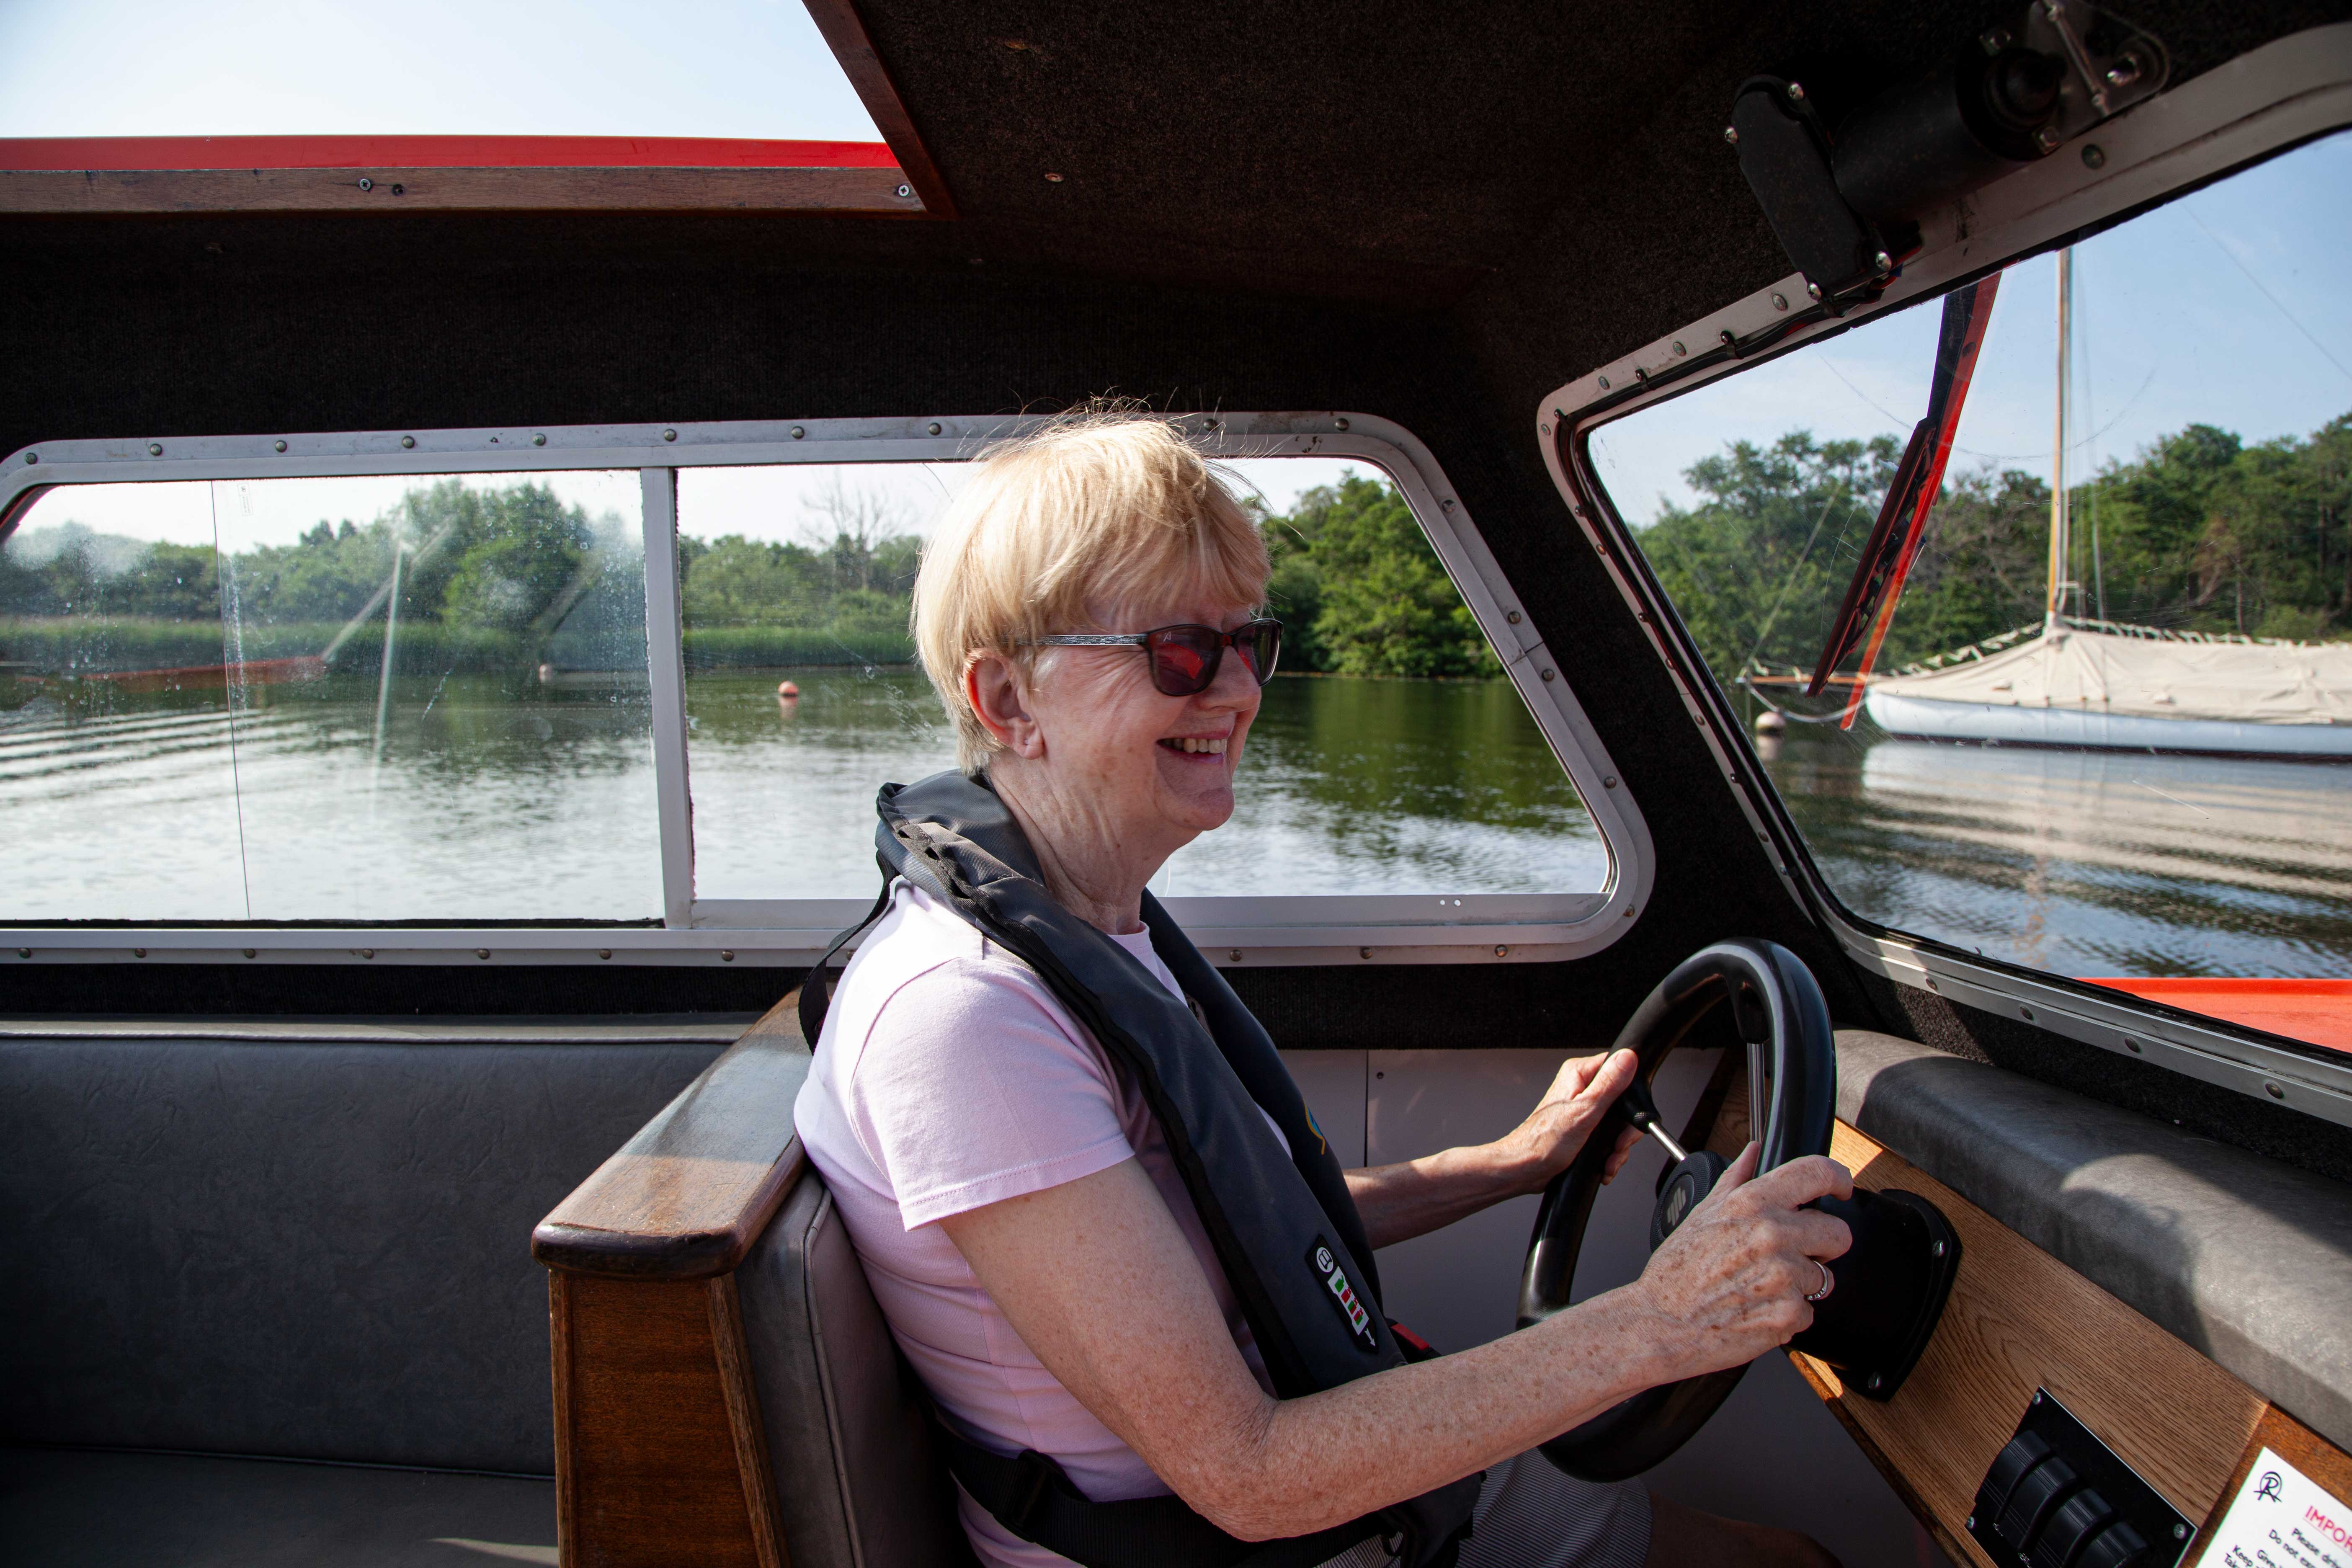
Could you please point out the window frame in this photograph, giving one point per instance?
(2266, 102)
(1236, 931)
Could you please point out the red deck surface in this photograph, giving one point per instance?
(2318, 1011)
(67, 152)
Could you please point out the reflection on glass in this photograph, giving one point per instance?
(802, 697)
(422, 700)
(1388, 758)
(2195, 369)
(116, 785)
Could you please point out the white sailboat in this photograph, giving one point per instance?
(2085, 684)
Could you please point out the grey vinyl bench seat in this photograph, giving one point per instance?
(64, 1507)
(306, 1241)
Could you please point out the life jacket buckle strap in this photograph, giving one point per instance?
(1040, 1474)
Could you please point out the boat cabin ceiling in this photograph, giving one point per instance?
(274, 1164)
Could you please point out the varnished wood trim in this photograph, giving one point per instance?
(743, 1420)
(397, 190)
(845, 33)
(561, 1372)
(360, 153)
(1811, 1371)
(686, 1197)
(651, 1469)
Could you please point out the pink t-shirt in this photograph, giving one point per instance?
(948, 1077)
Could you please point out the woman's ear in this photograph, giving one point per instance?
(999, 693)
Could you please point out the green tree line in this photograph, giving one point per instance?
(509, 577)
(490, 579)
(2199, 532)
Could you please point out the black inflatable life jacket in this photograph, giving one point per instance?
(1283, 1225)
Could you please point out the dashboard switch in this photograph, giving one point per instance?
(2055, 1495)
(2077, 1522)
(2035, 1498)
(2117, 1546)
(2009, 1467)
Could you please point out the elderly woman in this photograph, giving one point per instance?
(1098, 1216)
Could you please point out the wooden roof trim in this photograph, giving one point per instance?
(686, 1197)
(480, 173)
(79, 154)
(845, 33)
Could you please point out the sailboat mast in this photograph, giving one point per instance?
(2060, 554)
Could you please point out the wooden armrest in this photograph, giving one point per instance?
(688, 1194)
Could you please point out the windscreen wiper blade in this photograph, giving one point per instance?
(1894, 538)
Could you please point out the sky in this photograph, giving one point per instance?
(2232, 306)
(577, 68)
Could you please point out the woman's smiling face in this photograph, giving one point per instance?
(1151, 767)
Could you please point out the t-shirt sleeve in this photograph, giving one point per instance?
(973, 1088)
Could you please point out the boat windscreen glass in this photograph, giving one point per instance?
(1388, 756)
(341, 700)
(2100, 720)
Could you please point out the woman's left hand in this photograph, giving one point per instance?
(1553, 1134)
(1414, 1197)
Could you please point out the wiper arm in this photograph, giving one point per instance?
(1894, 538)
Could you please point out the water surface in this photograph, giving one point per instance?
(502, 799)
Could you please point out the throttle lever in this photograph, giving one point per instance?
(1636, 1106)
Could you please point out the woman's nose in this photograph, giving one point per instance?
(1234, 687)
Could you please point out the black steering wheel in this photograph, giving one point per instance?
(1792, 1075)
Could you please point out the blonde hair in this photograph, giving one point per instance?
(1102, 509)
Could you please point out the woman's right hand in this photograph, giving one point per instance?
(1731, 1282)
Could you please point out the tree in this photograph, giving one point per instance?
(2199, 532)
(1756, 569)
(1361, 593)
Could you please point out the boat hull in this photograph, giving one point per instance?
(1986, 723)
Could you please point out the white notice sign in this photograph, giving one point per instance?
(2280, 1518)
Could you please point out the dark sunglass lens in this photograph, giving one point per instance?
(1184, 659)
(1261, 644)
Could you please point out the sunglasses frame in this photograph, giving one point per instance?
(1222, 641)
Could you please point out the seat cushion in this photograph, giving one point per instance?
(299, 1248)
(858, 1475)
(79, 1508)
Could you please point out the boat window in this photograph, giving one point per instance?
(345, 699)
(2104, 729)
(496, 68)
(1390, 757)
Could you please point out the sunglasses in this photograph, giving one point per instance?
(1184, 659)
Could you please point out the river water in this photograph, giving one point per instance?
(490, 800)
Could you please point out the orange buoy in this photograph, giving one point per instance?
(788, 689)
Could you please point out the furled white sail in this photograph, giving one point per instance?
(2075, 687)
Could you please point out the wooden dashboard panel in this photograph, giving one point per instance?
(2019, 1319)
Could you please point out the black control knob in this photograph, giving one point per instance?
(2009, 1467)
(2078, 1521)
(2117, 1546)
(2036, 1498)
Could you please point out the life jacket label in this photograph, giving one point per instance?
(1343, 1295)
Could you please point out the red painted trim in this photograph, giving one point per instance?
(72, 152)
(2318, 1011)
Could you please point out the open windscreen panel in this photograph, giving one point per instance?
(1389, 757)
(2105, 733)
